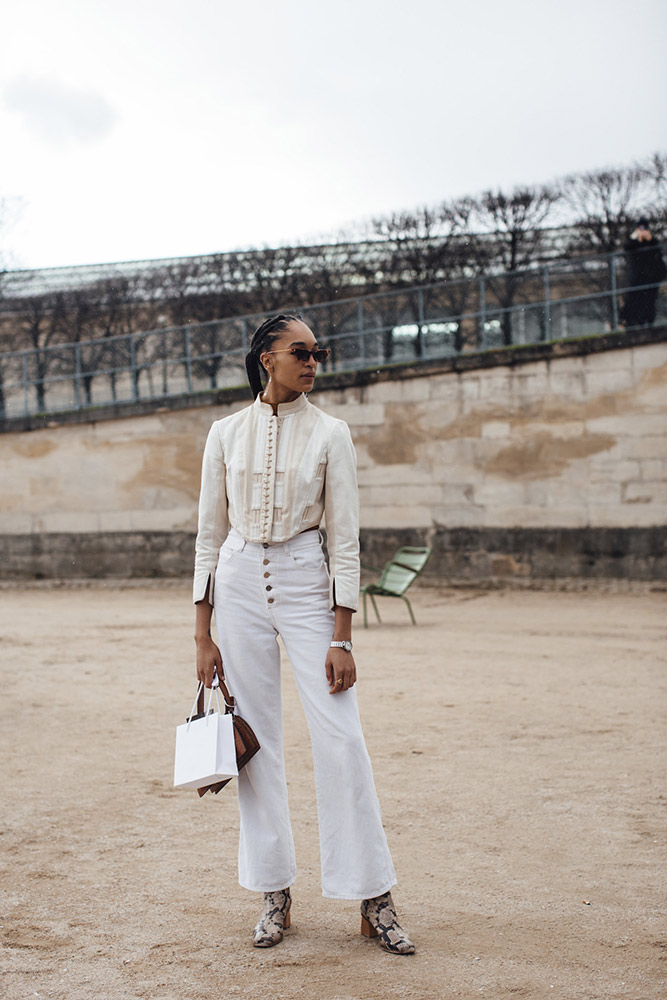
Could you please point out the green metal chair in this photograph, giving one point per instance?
(398, 574)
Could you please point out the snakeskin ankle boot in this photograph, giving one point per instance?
(378, 919)
(274, 920)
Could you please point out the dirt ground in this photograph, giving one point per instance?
(519, 752)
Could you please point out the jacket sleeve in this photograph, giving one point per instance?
(213, 523)
(341, 516)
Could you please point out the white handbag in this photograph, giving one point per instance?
(205, 747)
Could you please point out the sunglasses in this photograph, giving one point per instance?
(303, 354)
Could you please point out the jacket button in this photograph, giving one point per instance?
(265, 562)
(265, 544)
(270, 601)
(269, 587)
(266, 576)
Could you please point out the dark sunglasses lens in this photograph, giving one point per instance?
(302, 354)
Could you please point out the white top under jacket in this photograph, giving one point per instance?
(271, 477)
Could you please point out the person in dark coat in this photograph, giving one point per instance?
(645, 267)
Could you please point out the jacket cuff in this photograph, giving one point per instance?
(203, 586)
(347, 596)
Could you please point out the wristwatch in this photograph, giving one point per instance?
(343, 644)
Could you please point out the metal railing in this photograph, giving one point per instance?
(571, 298)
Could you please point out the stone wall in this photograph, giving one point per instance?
(535, 462)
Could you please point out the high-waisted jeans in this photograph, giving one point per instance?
(261, 592)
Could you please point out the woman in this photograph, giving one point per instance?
(269, 474)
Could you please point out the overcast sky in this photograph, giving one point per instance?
(154, 128)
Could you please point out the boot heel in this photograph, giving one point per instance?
(288, 920)
(367, 929)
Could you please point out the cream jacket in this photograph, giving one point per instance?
(271, 477)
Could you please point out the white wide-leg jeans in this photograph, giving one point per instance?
(262, 591)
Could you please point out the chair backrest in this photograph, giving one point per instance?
(403, 569)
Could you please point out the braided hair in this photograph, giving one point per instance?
(262, 340)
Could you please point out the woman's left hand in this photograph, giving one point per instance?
(341, 670)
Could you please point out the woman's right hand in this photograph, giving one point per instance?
(208, 660)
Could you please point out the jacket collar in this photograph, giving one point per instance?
(300, 403)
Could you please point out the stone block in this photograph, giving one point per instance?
(16, 523)
(649, 356)
(608, 362)
(484, 450)
(364, 461)
(469, 390)
(567, 366)
(115, 520)
(562, 493)
(359, 414)
(130, 429)
(439, 415)
(563, 430)
(459, 515)
(651, 395)
(493, 492)
(495, 385)
(80, 522)
(159, 520)
(604, 493)
(413, 390)
(395, 516)
(627, 515)
(576, 475)
(629, 425)
(646, 491)
(651, 446)
(444, 389)
(401, 492)
(536, 494)
(496, 429)
(571, 385)
(653, 468)
(531, 385)
(380, 392)
(395, 475)
(455, 463)
(457, 494)
(528, 516)
(603, 383)
(532, 369)
(615, 472)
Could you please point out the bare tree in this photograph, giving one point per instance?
(117, 314)
(506, 236)
(654, 173)
(10, 211)
(42, 324)
(603, 205)
(419, 248)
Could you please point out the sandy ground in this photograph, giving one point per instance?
(518, 746)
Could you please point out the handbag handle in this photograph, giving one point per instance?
(218, 682)
(199, 702)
